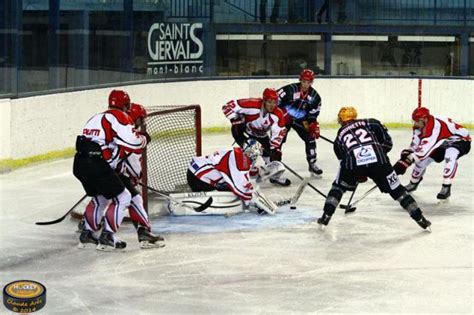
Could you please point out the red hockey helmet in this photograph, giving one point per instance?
(137, 111)
(119, 99)
(420, 113)
(270, 95)
(307, 75)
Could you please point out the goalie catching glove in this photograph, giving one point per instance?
(262, 204)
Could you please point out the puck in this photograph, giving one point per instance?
(293, 207)
(24, 296)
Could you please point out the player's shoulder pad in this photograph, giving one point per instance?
(121, 116)
(242, 161)
(250, 103)
(373, 121)
(280, 115)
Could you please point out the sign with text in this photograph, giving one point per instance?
(175, 49)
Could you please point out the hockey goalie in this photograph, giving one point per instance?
(227, 171)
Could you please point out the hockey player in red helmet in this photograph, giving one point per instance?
(302, 104)
(119, 99)
(130, 173)
(435, 139)
(98, 151)
(260, 119)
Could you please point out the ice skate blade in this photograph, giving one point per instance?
(443, 201)
(316, 176)
(428, 229)
(86, 245)
(106, 248)
(148, 245)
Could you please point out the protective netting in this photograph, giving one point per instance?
(176, 138)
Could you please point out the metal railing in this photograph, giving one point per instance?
(427, 12)
(191, 9)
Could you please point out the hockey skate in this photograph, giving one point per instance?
(324, 220)
(423, 223)
(108, 241)
(86, 239)
(444, 193)
(420, 219)
(314, 169)
(282, 181)
(148, 239)
(412, 186)
(80, 226)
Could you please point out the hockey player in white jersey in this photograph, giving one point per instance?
(104, 138)
(130, 169)
(228, 170)
(262, 120)
(435, 138)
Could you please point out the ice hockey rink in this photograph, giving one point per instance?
(376, 260)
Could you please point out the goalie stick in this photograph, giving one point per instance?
(202, 207)
(64, 216)
(299, 191)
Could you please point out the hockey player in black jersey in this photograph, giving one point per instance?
(362, 145)
(302, 105)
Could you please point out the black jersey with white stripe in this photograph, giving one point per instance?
(299, 105)
(362, 142)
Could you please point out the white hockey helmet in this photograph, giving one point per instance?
(252, 149)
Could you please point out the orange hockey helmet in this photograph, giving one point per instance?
(346, 114)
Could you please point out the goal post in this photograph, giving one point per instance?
(176, 138)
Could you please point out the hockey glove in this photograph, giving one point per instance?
(237, 129)
(313, 129)
(405, 154)
(275, 154)
(401, 166)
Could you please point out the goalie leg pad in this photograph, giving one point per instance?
(261, 202)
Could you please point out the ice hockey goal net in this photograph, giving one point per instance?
(176, 138)
(175, 131)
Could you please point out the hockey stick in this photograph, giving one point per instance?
(360, 199)
(328, 140)
(301, 178)
(299, 191)
(202, 207)
(349, 208)
(64, 216)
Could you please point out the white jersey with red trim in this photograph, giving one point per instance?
(438, 130)
(114, 132)
(258, 122)
(225, 168)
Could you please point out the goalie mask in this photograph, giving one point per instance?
(252, 150)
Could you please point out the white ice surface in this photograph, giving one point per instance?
(374, 261)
